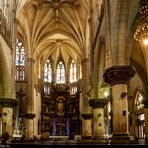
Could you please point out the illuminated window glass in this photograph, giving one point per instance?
(46, 89)
(139, 100)
(60, 72)
(20, 60)
(73, 72)
(141, 125)
(20, 54)
(73, 90)
(47, 71)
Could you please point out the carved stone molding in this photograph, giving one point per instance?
(29, 116)
(118, 75)
(8, 102)
(98, 103)
(86, 116)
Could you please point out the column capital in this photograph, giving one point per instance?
(86, 116)
(8, 102)
(118, 75)
(98, 102)
(29, 115)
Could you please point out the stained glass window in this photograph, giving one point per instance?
(47, 71)
(60, 72)
(73, 72)
(20, 60)
(139, 99)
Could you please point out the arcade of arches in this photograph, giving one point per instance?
(74, 68)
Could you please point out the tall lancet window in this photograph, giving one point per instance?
(60, 72)
(139, 101)
(20, 60)
(73, 72)
(47, 71)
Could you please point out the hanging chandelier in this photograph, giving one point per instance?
(141, 33)
(143, 10)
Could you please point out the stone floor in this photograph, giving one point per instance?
(67, 143)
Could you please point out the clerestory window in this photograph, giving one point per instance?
(73, 72)
(20, 60)
(48, 71)
(60, 72)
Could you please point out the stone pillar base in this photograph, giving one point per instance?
(146, 140)
(100, 137)
(120, 139)
(86, 137)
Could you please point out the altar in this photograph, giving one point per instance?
(58, 138)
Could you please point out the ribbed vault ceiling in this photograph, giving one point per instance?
(56, 28)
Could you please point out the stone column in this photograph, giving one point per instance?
(29, 125)
(146, 120)
(86, 121)
(118, 77)
(98, 129)
(7, 120)
(0, 120)
(30, 80)
(86, 126)
(20, 95)
(7, 105)
(30, 99)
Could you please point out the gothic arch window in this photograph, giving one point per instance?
(73, 72)
(20, 60)
(139, 99)
(60, 72)
(48, 71)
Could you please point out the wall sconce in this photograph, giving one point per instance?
(124, 113)
(99, 115)
(123, 94)
(5, 114)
